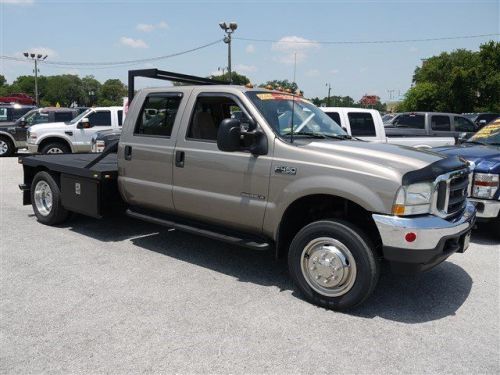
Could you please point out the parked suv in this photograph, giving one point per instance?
(429, 124)
(13, 135)
(75, 135)
(9, 113)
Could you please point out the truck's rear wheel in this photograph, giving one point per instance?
(55, 148)
(333, 265)
(46, 200)
(6, 147)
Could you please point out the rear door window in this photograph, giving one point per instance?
(63, 116)
(411, 121)
(158, 114)
(440, 123)
(100, 118)
(362, 124)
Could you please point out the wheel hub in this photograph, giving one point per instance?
(328, 266)
(3, 147)
(54, 150)
(43, 198)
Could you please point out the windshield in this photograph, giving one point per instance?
(281, 110)
(489, 135)
(35, 117)
(79, 117)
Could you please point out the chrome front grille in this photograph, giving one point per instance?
(451, 192)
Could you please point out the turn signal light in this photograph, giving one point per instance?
(398, 209)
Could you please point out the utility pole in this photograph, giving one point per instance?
(329, 90)
(35, 57)
(228, 29)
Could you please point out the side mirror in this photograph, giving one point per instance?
(229, 135)
(84, 124)
(482, 122)
(462, 137)
(23, 122)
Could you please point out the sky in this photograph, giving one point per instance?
(108, 31)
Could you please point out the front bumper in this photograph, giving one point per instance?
(486, 208)
(436, 239)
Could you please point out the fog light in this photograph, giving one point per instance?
(410, 237)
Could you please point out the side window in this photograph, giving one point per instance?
(208, 113)
(411, 121)
(101, 118)
(63, 116)
(3, 114)
(120, 117)
(157, 115)
(361, 124)
(463, 125)
(335, 117)
(38, 118)
(440, 123)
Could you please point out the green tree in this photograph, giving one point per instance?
(112, 92)
(238, 79)
(91, 88)
(64, 89)
(335, 101)
(285, 84)
(460, 81)
(3, 81)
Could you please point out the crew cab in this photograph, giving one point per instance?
(367, 124)
(482, 149)
(332, 205)
(75, 135)
(429, 124)
(13, 135)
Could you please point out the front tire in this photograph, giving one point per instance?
(6, 147)
(55, 148)
(46, 200)
(333, 265)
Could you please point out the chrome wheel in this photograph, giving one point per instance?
(328, 266)
(43, 198)
(4, 147)
(54, 150)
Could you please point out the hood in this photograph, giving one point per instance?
(399, 158)
(105, 133)
(48, 126)
(486, 158)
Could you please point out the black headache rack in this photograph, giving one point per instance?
(166, 76)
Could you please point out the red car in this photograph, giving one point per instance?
(18, 98)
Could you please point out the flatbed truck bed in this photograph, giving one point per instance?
(88, 182)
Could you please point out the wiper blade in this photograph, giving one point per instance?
(309, 134)
(338, 136)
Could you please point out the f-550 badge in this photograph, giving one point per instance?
(283, 169)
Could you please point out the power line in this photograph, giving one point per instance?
(98, 65)
(366, 41)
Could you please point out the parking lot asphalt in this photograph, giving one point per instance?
(122, 296)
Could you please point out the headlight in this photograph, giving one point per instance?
(413, 199)
(31, 137)
(485, 185)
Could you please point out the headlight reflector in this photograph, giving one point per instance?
(413, 199)
(485, 185)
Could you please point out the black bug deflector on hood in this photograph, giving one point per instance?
(432, 171)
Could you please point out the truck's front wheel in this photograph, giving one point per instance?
(46, 200)
(332, 263)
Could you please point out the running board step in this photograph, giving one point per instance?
(240, 241)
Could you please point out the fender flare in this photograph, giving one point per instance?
(8, 135)
(55, 136)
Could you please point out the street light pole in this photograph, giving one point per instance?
(35, 57)
(329, 90)
(228, 29)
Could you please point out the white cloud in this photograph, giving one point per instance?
(148, 27)
(363, 69)
(250, 48)
(39, 51)
(245, 68)
(334, 71)
(293, 48)
(312, 73)
(134, 43)
(17, 2)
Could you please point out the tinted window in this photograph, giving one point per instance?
(3, 114)
(62, 116)
(463, 125)
(440, 123)
(412, 121)
(158, 115)
(361, 124)
(487, 117)
(101, 118)
(120, 117)
(208, 113)
(334, 116)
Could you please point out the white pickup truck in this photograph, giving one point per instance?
(75, 135)
(367, 124)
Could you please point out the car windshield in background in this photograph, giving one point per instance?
(79, 117)
(489, 135)
(282, 110)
